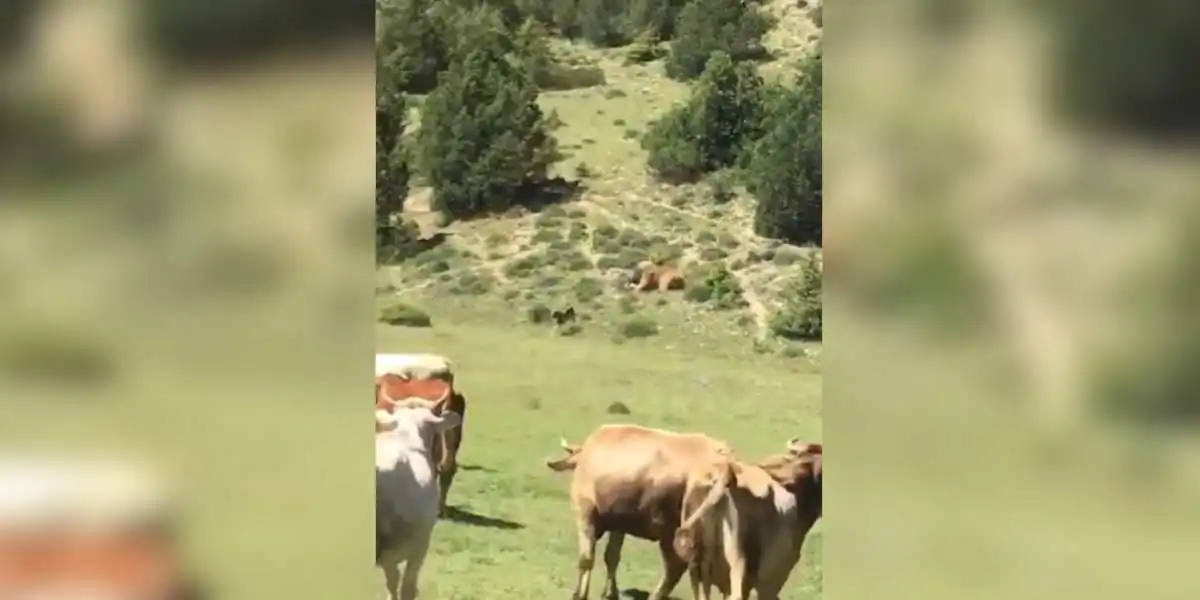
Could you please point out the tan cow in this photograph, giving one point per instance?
(389, 387)
(630, 480)
(747, 523)
(657, 277)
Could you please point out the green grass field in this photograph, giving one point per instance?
(514, 535)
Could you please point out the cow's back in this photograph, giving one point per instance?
(632, 478)
(414, 366)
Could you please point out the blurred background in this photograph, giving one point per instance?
(1011, 352)
(185, 266)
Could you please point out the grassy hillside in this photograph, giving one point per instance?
(514, 536)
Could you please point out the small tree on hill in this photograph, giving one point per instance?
(705, 27)
(483, 139)
(800, 318)
(785, 170)
(392, 238)
(713, 129)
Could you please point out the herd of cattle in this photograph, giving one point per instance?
(731, 524)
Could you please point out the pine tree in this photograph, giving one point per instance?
(392, 239)
(705, 27)
(713, 129)
(786, 165)
(801, 317)
(484, 142)
(414, 38)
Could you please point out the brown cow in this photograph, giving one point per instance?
(390, 388)
(659, 277)
(747, 523)
(630, 480)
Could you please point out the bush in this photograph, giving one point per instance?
(629, 258)
(577, 233)
(785, 169)
(638, 327)
(474, 284)
(709, 27)
(646, 48)
(547, 236)
(587, 289)
(523, 266)
(801, 315)
(405, 315)
(712, 131)
(574, 260)
(717, 286)
(484, 142)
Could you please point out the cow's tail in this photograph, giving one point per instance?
(711, 499)
(568, 462)
(685, 543)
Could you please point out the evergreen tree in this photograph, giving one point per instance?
(484, 141)
(713, 129)
(414, 38)
(391, 165)
(801, 317)
(705, 27)
(786, 165)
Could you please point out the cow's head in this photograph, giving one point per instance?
(799, 470)
(417, 421)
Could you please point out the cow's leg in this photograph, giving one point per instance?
(612, 559)
(701, 589)
(673, 570)
(445, 480)
(735, 558)
(587, 557)
(391, 578)
(448, 466)
(412, 566)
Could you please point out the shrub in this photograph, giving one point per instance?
(405, 315)
(786, 256)
(484, 141)
(523, 266)
(713, 129)
(547, 236)
(785, 166)
(717, 286)
(628, 258)
(474, 284)
(662, 252)
(587, 289)
(638, 327)
(800, 318)
(708, 27)
(577, 233)
(574, 260)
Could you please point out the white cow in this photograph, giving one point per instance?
(414, 366)
(406, 491)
